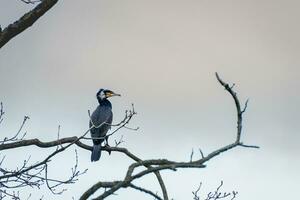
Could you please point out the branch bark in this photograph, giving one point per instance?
(25, 21)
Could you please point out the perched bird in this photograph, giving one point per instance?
(101, 118)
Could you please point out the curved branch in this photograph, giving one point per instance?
(237, 105)
(107, 185)
(152, 166)
(75, 140)
(165, 164)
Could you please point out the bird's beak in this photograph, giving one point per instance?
(112, 94)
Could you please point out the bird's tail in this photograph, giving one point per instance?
(96, 154)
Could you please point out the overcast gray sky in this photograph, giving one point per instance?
(161, 56)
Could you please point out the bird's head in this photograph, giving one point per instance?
(104, 94)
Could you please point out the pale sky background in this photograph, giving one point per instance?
(161, 56)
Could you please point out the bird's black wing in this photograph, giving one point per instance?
(102, 115)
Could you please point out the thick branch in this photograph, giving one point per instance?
(70, 141)
(152, 166)
(38, 143)
(25, 21)
(162, 164)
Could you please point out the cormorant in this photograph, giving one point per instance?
(101, 118)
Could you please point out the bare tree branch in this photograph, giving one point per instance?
(162, 164)
(145, 191)
(25, 21)
(195, 193)
(31, 175)
(16, 136)
(1, 112)
(148, 166)
(216, 194)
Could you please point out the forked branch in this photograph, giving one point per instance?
(156, 165)
(139, 168)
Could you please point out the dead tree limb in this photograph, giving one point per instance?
(31, 175)
(163, 164)
(147, 166)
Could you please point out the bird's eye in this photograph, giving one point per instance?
(101, 94)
